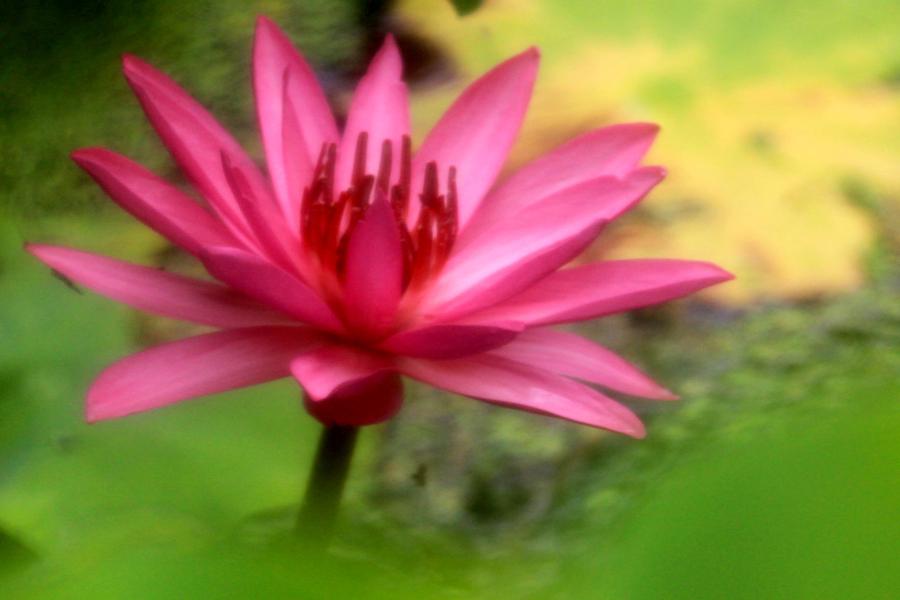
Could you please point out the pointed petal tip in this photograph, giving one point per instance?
(94, 410)
(98, 409)
(665, 395)
(645, 127)
(654, 173)
(390, 53)
(623, 420)
(132, 64)
(35, 250)
(716, 273)
(390, 42)
(45, 253)
(528, 58)
(380, 208)
(83, 157)
(49, 255)
(265, 27)
(725, 275)
(91, 414)
(634, 130)
(42, 252)
(627, 423)
(79, 155)
(137, 71)
(638, 431)
(709, 273)
(96, 160)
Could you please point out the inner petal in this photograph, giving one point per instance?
(329, 215)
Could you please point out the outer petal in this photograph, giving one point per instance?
(153, 201)
(505, 382)
(156, 291)
(611, 151)
(380, 107)
(574, 356)
(478, 130)
(514, 255)
(193, 137)
(605, 288)
(451, 340)
(279, 71)
(606, 198)
(348, 386)
(270, 285)
(374, 274)
(196, 366)
(511, 278)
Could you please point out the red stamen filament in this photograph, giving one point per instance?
(328, 217)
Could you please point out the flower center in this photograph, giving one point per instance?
(329, 216)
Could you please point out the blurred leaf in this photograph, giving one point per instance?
(14, 555)
(205, 46)
(223, 569)
(465, 7)
(806, 512)
(12, 418)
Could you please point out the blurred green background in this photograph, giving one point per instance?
(777, 474)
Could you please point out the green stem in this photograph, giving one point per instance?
(315, 521)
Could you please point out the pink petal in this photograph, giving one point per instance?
(527, 247)
(156, 291)
(478, 130)
(471, 295)
(508, 383)
(348, 386)
(197, 366)
(574, 356)
(373, 281)
(451, 340)
(263, 218)
(270, 285)
(380, 107)
(153, 201)
(611, 151)
(299, 165)
(280, 72)
(193, 137)
(604, 198)
(605, 288)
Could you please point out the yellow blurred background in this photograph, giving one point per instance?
(773, 115)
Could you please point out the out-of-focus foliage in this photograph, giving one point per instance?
(464, 7)
(787, 440)
(64, 89)
(775, 476)
(769, 110)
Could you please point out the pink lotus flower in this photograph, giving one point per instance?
(357, 261)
